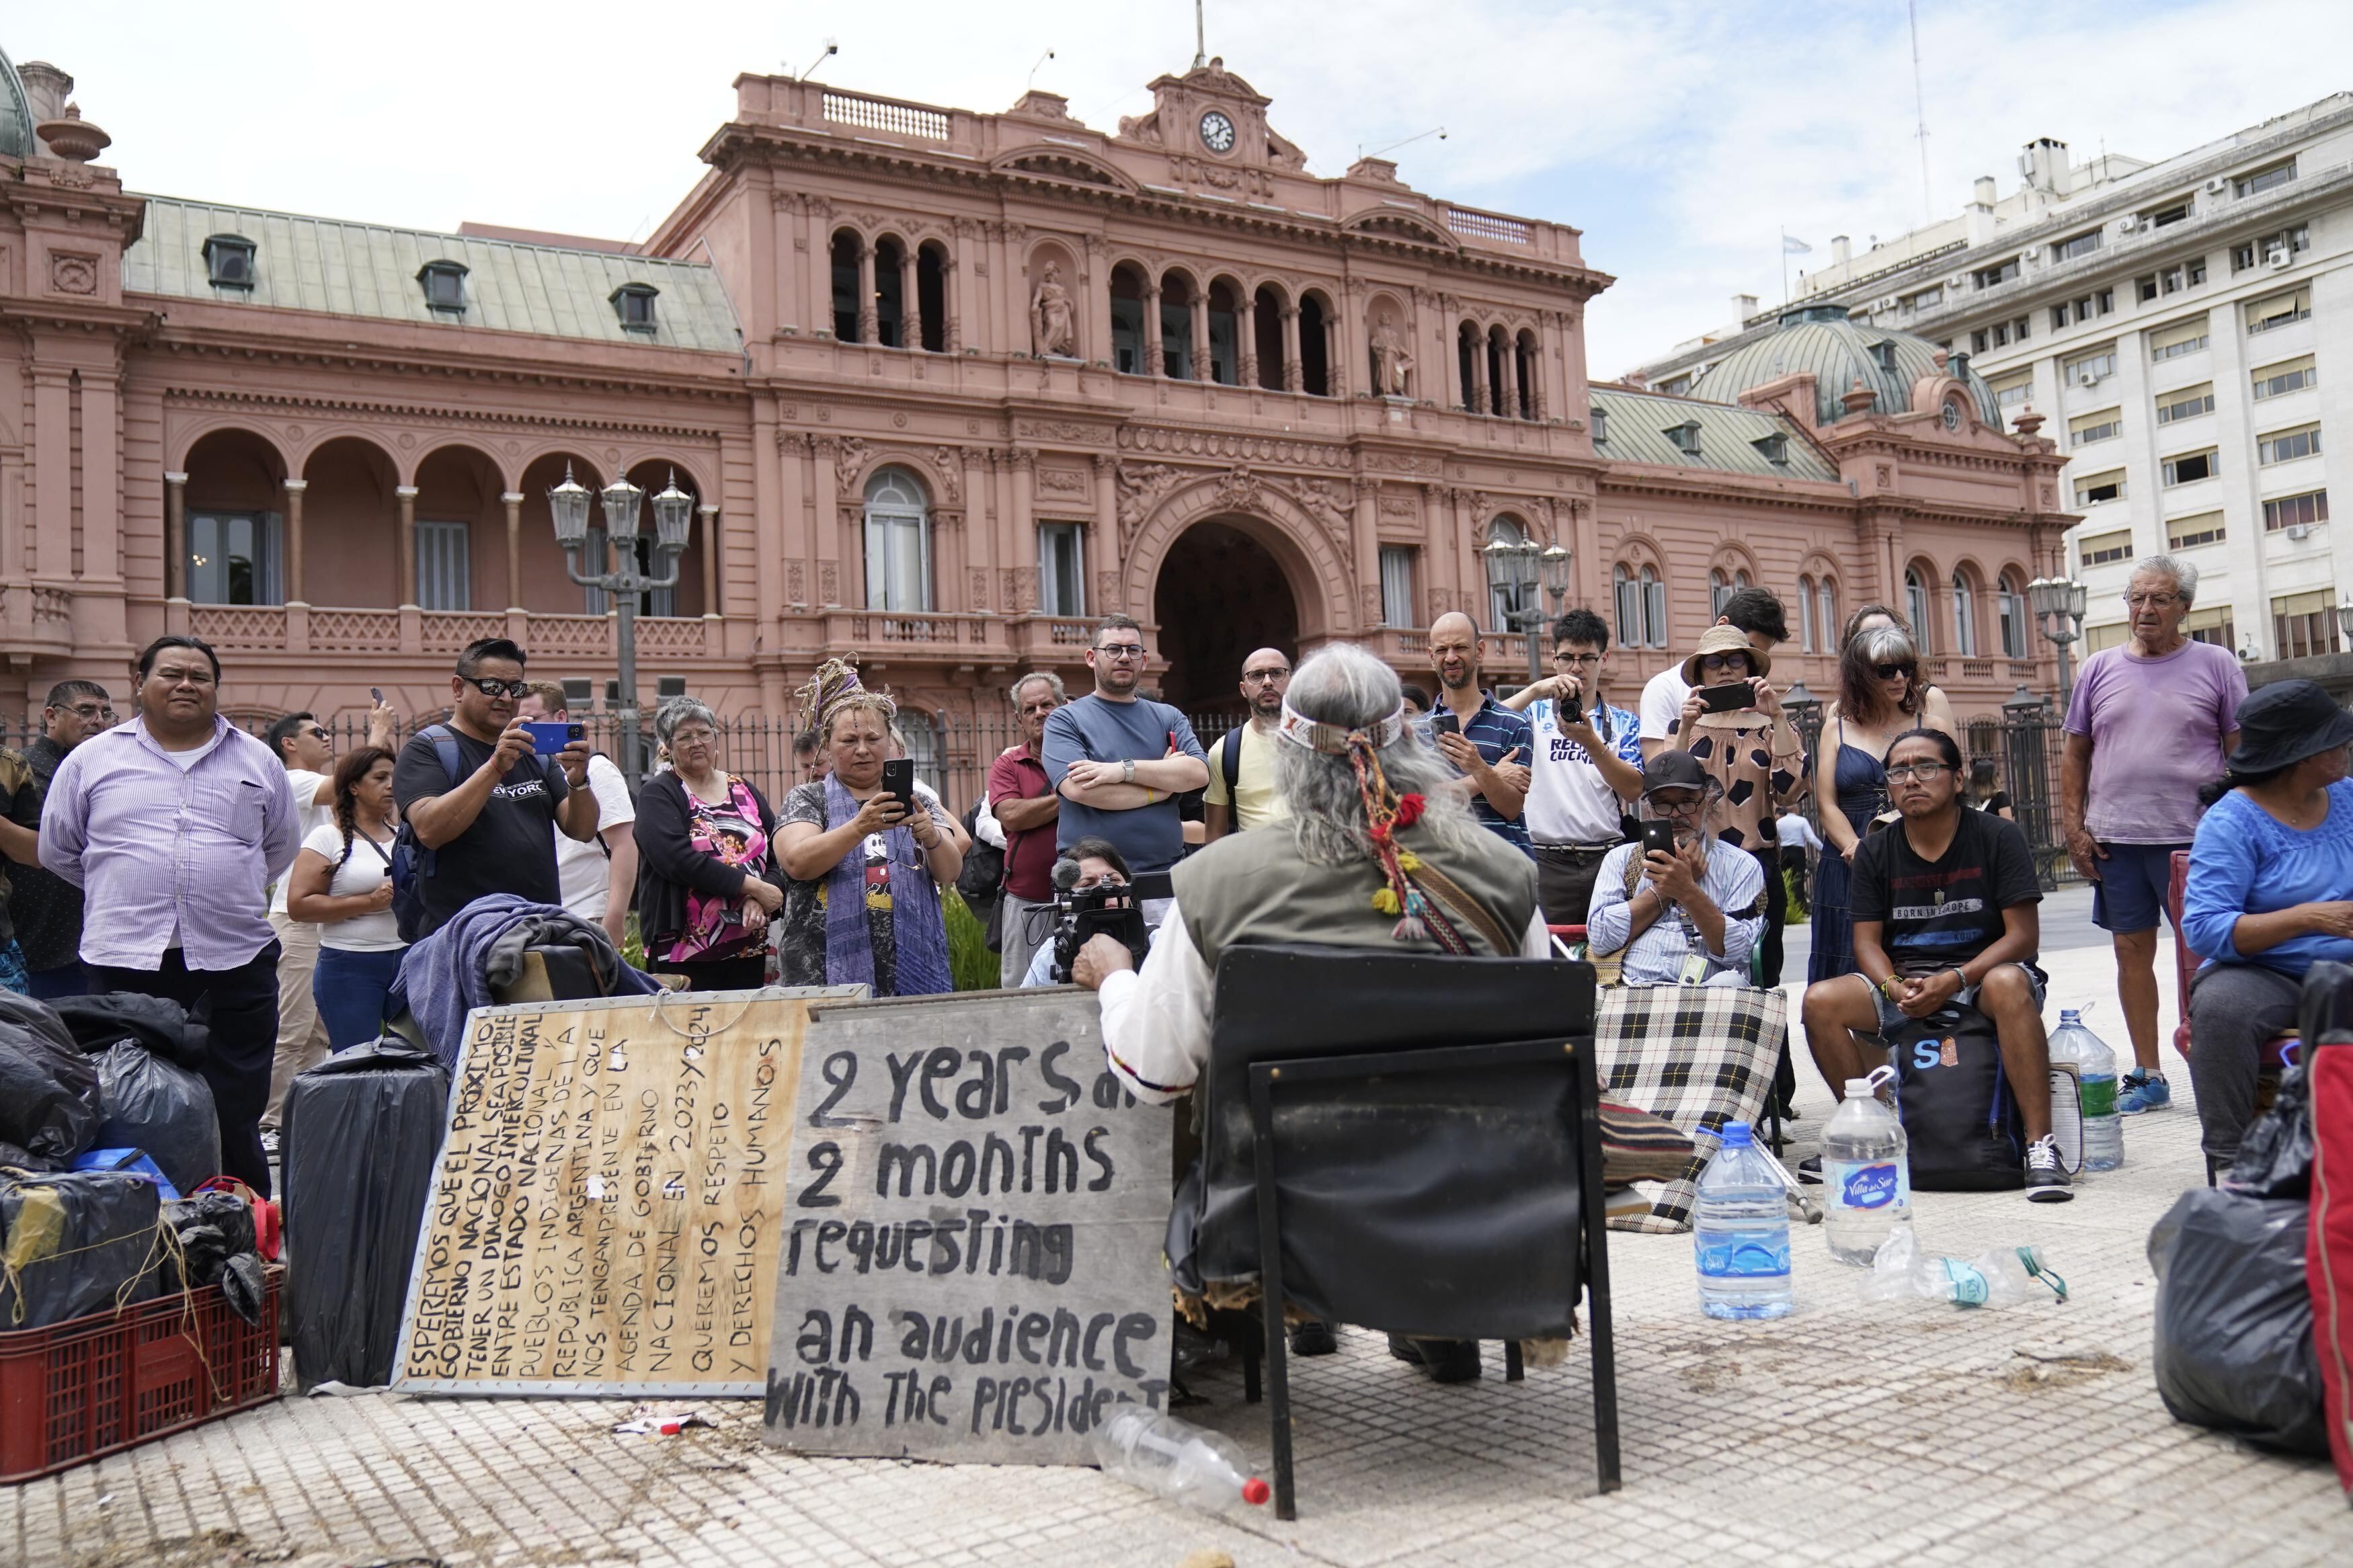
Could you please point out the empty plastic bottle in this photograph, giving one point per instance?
(1866, 1175)
(2104, 1128)
(1179, 1460)
(1740, 1232)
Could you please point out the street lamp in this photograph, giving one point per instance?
(2059, 604)
(1514, 567)
(2345, 623)
(623, 504)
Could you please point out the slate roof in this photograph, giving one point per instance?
(370, 269)
(16, 112)
(1837, 351)
(1635, 425)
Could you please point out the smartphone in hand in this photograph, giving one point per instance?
(1658, 838)
(550, 736)
(899, 779)
(1724, 699)
(1445, 724)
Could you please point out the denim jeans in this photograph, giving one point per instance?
(348, 987)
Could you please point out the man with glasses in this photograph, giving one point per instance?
(1685, 918)
(1587, 765)
(173, 827)
(1119, 761)
(487, 817)
(2148, 725)
(1945, 916)
(1242, 775)
(45, 908)
(307, 752)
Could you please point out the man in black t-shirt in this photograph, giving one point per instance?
(1945, 916)
(489, 829)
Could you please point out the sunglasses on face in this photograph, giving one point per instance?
(495, 688)
(1889, 672)
(1725, 661)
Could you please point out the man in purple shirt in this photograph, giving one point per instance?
(2147, 724)
(174, 826)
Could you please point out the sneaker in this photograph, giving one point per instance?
(2046, 1178)
(2143, 1091)
(269, 1142)
(1809, 1170)
(1314, 1339)
(1446, 1361)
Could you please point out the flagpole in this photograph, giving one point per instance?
(1784, 267)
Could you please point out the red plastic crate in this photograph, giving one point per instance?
(76, 1391)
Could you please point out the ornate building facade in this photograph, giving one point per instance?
(944, 386)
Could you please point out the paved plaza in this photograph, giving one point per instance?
(1846, 1434)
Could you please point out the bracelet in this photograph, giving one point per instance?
(1149, 799)
(1960, 975)
(1882, 988)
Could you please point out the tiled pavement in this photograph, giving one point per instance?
(1847, 1434)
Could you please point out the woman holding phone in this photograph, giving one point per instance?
(864, 873)
(1732, 724)
(341, 880)
(706, 867)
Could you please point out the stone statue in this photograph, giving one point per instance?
(1392, 363)
(1053, 322)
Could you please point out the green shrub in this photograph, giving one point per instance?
(1793, 885)
(969, 960)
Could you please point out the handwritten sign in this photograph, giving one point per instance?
(608, 1205)
(971, 1264)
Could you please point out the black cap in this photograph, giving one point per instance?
(1672, 769)
(2285, 722)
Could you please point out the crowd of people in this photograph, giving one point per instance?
(279, 888)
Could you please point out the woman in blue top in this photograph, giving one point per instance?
(2271, 891)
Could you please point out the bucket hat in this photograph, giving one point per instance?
(2285, 722)
(1726, 639)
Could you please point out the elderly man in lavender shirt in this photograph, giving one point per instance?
(173, 827)
(2148, 724)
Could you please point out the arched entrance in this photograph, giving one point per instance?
(1220, 594)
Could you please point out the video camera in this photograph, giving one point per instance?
(1110, 908)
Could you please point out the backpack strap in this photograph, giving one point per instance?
(445, 747)
(1229, 760)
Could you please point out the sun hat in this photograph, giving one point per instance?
(2285, 722)
(1726, 639)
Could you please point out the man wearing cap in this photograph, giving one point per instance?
(1688, 918)
(2271, 894)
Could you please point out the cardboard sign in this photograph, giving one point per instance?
(605, 1214)
(971, 1264)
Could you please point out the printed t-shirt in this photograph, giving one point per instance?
(1568, 800)
(509, 845)
(1948, 910)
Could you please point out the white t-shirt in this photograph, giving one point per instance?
(308, 818)
(582, 870)
(1662, 702)
(1568, 800)
(362, 873)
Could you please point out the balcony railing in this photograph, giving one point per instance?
(303, 630)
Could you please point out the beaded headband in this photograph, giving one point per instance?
(1334, 740)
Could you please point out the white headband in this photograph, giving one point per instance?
(1334, 740)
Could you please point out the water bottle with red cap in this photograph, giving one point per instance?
(1154, 1450)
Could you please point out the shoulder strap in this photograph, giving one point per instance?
(1464, 906)
(445, 747)
(1633, 871)
(1229, 759)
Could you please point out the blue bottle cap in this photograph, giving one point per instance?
(2070, 1015)
(1736, 1135)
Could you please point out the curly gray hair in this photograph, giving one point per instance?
(677, 710)
(1344, 685)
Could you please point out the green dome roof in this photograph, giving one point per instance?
(1839, 351)
(16, 113)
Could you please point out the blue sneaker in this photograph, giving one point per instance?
(2143, 1091)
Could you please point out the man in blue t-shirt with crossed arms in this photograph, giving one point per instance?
(1119, 762)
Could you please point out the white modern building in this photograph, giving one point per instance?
(2183, 329)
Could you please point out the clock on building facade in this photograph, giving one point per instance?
(1217, 132)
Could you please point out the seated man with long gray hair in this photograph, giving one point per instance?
(1379, 852)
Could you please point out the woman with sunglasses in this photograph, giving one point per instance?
(1743, 741)
(1935, 707)
(1879, 697)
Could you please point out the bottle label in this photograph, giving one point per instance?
(1870, 1185)
(1751, 1255)
(1968, 1286)
(2099, 1096)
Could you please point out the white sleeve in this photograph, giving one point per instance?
(1155, 1020)
(1535, 941)
(1662, 704)
(614, 807)
(985, 825)
(327, 841)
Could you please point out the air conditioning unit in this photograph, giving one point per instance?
(2299, 530)
(2125, 226)
(2218, 185)
(2278, 259)
(2087, 378)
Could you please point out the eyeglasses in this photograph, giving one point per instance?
(1263, 676)
(1121, 650)
(1889, 672)
(2151, 601)
(496, 688)
(1577, 658)
(1926, 772)
(91, 711)
(1723, 661)
(697, 736)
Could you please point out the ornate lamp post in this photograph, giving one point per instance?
(1515, 567)
(623, 505)
(2059, 604)
(2345, 624)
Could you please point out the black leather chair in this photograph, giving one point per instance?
(1405, 1143)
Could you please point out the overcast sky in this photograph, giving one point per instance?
(1681, 136)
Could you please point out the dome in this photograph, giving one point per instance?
(1839, 351)
(16, 113)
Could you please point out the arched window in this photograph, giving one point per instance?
(1629, 595)
(1127, 322)
(1827, 592)
(1266, 324)
(1524, 373)
(1315, 348)
(898, 542)
(890, 296)
(1916, 606)
(1225, 355)
(1654, 608)
(2009, 602)
(932, 295)
(1806, 614)
(1472, 368)
(1719, 588)
(844, 258)
(1965, 616)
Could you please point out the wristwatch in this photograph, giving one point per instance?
(1127, 771)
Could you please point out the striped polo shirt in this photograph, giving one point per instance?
(1496, 730)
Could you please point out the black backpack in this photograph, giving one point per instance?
(412, 862)
(1959, 1114)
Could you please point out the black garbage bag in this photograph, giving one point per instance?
(14, 1157)
(361, 1133)
(213, 1229)
(76, 1242)
(158, 1106)
(2275, 1151)
(160, 1024)
(2234, 1347)
(50, 1104)
(243, 1286)
(2326, 1008)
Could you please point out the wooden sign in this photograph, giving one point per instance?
(606, 1211)
(971, 1264)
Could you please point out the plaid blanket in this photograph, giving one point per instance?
(1698, 1056)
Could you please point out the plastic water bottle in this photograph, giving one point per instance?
(1174, 1458)
(2103, 1129)
(1866, 1177)
(1740, 1232)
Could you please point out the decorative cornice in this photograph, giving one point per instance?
(476, 418)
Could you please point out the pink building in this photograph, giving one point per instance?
(944, 385)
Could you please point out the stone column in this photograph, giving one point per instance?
(1203, 368)
(295, 594)
(175, 536)
(1025, 524)
(824, 489)
(512, 501)
(1246, 340)
(1293, 378)
(1507, 383)
(910, 301)
(407, 495)
(869, 328)
(1105, 550)
(953, 332)
(710, 562)
(1369, 555)
(1478, 398)
(1153, 361)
